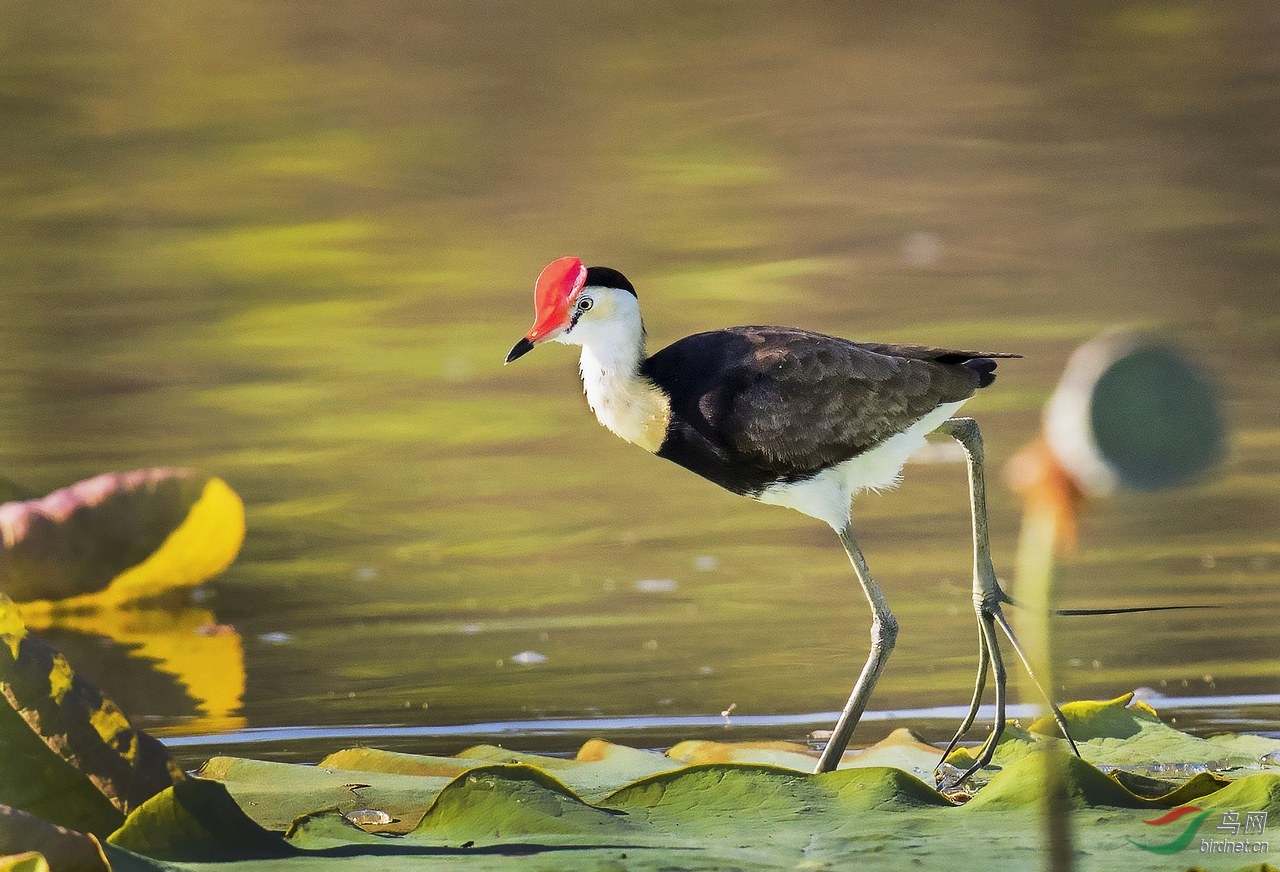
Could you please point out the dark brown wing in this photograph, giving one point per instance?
(794, 402)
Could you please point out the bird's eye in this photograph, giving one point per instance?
(585, 303)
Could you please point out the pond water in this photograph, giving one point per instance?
(290, 245)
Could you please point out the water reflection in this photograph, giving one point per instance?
(204, 658)
(291, 249)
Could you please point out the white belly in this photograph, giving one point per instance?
(826, 496)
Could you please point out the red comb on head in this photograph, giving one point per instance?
(558, 286)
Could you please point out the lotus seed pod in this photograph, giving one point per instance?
(1132, 411)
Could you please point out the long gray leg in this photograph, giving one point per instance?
(884, 633)
(987, 594)
(988, 597)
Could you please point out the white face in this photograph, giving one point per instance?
(601, 314)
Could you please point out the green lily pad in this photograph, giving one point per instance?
(881, 788)
(70, 755)
(27, 861)
(327, 829)
(509, 800)
(396, 763)
(744, 795)
(1259, 792)
(617, 807)
(196, 820)
(599, 768)
(745, 816)
(901, 749)
(274, 794)
(1118, 733)
(1115, 734)
(1021, 784)
(1170, 793)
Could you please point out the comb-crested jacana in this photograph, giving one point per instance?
(787, 417)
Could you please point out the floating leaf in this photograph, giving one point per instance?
(513, 800)
(1170, 793)
(749, 795)
(1016, 742)
(394, 763)
(274, 794)
(28, 861)
(56, 846)
(598, 769)
(880, 788)
(118, 538)
(1021, 784)
(71, 756)
(507, 815)
(196, 820)
(1100, 719)
(901, 749)
(1116, 733)
(328, 829)
(788, 755)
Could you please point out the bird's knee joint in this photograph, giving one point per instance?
(986, 603)
(884, 631)
(966, 432)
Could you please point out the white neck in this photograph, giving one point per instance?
(613, 348)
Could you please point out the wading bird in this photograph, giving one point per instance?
(786, 417)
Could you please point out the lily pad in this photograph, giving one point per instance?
(788, 755)
(29, 837)
(1120, 734)
(748, 817)
(599, 768)
(901, 749)
(196, 820)
(118, 538)
(514, 800)
(274, 794)
(1170, 793)
(1113, 734)
(71, 756)
(1021, 784)
(27, 861)
(617, 807)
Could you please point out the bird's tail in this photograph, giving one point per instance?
(985, 367)
(983, 363)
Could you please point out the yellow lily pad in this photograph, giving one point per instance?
(116, 539)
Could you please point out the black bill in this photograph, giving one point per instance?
(520, 349)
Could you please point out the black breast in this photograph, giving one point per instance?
(751, 406)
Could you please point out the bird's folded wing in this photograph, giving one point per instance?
(803, 401)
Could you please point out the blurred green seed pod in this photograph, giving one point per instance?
(1133, 411)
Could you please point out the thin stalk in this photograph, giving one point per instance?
(1037, 545)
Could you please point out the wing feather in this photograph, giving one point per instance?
(794, 402)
